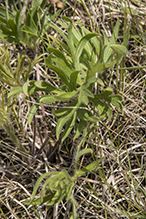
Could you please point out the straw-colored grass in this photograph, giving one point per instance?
(116, 190)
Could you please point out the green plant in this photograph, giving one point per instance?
(59, 185)
(78, 77)
(25, 26)
(78, 62)
(14, 78)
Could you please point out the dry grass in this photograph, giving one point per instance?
(118, 190)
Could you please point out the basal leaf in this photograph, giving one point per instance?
(71, 37)
(88, 93)
(106, 42)
(39, 201)
(4, 13)
(107, 53)
(109, 112)
(61, 44)
(117, 97)
(94, 40)
(37, 60)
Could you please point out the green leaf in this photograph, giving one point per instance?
(108, 50)
(103, 109)
(91, 81)
(63, 111)
(69, 126)
(60, 32)
(62, 60)
(45, 86)
(66, 96)
(119, 49)
(43, 4)
(37, 60)
(32, 112)
(13, 27)
(88, 93)
(83, 98)
(39, 201)
(47, 99)
(4, 71)
(93, 166)
(62, 45)
(67, 109)
(94, 40)
(18, 20)
(56, 199)
(20, 67)
(108, 112)
(80, 47)
(71, 43)
(15, 91)
(84, 151)
(3, 20)
(81, 126)
(117, 97)
(86, 115)
(73, 80)
(6, 30)
(60, 72)
(117, 104)
(62, 121)
(93, 70)
(106, 42)
(4, 13)
(115, 33)
(38, 184)
(25, 88)
(108, 91)
(44, 99)
(69, 190)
